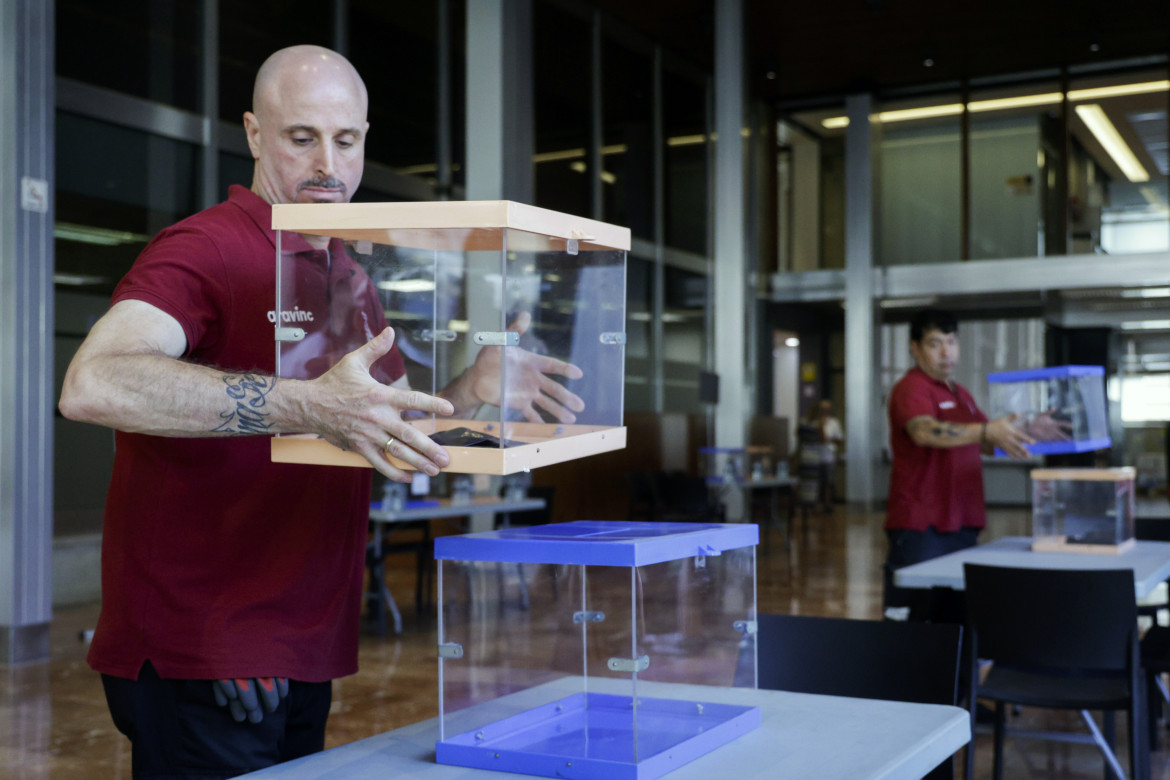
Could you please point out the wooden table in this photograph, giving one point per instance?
(444, 508)
(1150, 562)
(801, 735)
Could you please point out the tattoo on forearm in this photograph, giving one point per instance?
(950, 430)
(249, 394)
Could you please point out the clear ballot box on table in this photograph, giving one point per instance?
(1062, 407)
(509, 285)
(549, 636)
(1082, 510)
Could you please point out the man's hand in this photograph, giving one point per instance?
(350, 409)
(1004, 434)
(1045, 427)
(528, 379)
(248, 698)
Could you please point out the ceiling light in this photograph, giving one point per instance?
(1020, 101)
(792, 341)
(1118, 90)
(1106, 134)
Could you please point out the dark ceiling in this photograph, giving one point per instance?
(808, 50)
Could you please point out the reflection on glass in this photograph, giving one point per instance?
(145, 48)
(562, 54)
(919, 193)
(811, 193)
(394, 46)
(249, 33)
(640, 306)
(1118, 200)
(685, 174)
(628, 138)
(684, 342)
(116, 188)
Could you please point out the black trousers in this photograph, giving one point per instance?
(936, 605)
(177, 730)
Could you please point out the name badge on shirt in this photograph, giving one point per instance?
(946, 405)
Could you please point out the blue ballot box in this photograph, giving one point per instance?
(546, 632)
(1062, 407)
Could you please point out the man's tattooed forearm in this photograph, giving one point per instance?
(950, 430)
(248, 394)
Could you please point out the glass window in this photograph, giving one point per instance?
(684, 111)
(1117, 199)
(639, 312)
(684, 340)
(810, 198)
(394, 46)
(628, 138)
(250, 32)
(563, 75)
(919, 187)
(1016, 145)
(116, 188)
(146, 48)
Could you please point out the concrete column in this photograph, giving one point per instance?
(863, 407)
(499, 100)
(26, 328)
(730, 256)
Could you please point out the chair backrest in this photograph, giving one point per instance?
(1058, 619)
(868, 659)
(1153, 529)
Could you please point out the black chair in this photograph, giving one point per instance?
(1155, 644)
(867, 659)
(1060, 639)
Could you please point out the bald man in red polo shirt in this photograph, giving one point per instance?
(937, 434)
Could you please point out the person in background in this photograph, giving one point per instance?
(231, 585)
(937, 435)
(831, 438)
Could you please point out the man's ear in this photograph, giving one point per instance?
(252, 129)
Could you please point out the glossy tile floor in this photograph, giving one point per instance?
(54, 724)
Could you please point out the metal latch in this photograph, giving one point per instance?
(290, 334)
(745, 627)
(436, 335)
(613, 338)
(450, 650)
(635, 665)
(588, 617)
(487, 338)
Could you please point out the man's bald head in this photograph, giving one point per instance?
(307, 127)
(288, 67)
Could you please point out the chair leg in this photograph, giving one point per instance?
(997, 770)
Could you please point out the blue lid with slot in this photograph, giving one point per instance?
(1054, 372)
(598, 542)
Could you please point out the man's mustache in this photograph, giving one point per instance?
(329, 183)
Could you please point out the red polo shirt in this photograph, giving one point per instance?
(217, 562)
(933, 487)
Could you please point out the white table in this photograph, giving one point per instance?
(801, 735)
(1150, 562)
(446, 508)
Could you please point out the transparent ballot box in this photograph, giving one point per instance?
(1082, 510)
(583, 649)
(516, 313)
(729, 465)
(1062, 408)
